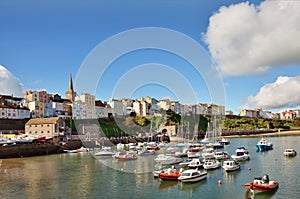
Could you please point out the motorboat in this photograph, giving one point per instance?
(208, 153)
(166, 159)
(231, 165)
(263, 145)
(170, 174)
(217, 145)
(241, 154)
(166, 170)
(211, 164)
(124, 157)
(221, 155)
(105, 152)
(224, 141)
(262, 184)
(290, 152)
(191, 154)
(83, 149)
(181, 153)
(145, 152)
(192, 175)
(195, 164)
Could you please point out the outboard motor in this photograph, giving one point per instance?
(265, 178)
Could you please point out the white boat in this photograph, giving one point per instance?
(221, 155)
(191, 154)
(192, 175)
(211, 164)
(231, 165)
(224, 141)
(105, 152)
(145, 152)
(241, 154)
(166, 159)
(181, 153)
(289, 152)
(195, 164)
(208, 153)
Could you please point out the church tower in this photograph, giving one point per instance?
(70, 94)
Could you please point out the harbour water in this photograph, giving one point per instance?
(84, 176)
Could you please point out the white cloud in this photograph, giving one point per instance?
(246, 39)
(9, 84)
(283, 93)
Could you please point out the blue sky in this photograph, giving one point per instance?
(254, 46)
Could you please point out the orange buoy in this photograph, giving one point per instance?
(219, 182)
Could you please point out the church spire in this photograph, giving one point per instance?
(70, 94)
(71, 84)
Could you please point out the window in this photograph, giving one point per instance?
(42, 132)
(36, 132)
(48, 132)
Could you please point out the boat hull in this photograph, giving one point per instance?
(169, 176)
(193, 179)
(264, 147)
(262, 187)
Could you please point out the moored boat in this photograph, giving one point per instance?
(171, 174)
(263, 145)
(211, 164)
(120, 156)
(290, 152)
(231, 165)
(167, 159)
(192, 175)
(208, 153)
(262, 184)
(221, 155)
(224, 141)
(241, 154)
(195, 164)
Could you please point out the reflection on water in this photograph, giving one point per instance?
(84, 176)
(190, 187)
(165, 185)
(260, 195)
(231, 176)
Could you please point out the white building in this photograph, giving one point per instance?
(3, 112)
(86, 99)
(12, 113)
(117, 106)
(23, 113)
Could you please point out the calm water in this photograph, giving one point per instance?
(83, 176)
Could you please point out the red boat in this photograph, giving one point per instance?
(171, 174)
(262, 184)
(153, 148)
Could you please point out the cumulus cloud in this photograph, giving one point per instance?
(284, 92)
(246, 39)
(9, 84)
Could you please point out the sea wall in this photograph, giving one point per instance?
(37, 149)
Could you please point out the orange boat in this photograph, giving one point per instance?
(262, 184)
(171, 174)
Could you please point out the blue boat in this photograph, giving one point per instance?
(263, 145)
